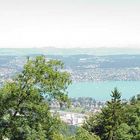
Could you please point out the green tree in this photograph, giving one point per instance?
(82, 134)
(123, 132)
(132, 117)
(24, 102)
(108, 121)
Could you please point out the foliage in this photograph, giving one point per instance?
(117, 120)
(123, 132)
(106, 123)
(24, 102)
(82, 134)
(132, 117)
(25, 112)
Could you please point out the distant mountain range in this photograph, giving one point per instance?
(68, 51)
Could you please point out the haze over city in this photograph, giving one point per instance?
(69, 23)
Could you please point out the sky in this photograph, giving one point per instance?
(69, 23)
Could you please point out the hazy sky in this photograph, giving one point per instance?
(69, 23)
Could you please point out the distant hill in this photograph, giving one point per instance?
(67, 51)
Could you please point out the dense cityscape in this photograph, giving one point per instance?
(79, 109)
(82, 67)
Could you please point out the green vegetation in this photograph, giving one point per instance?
(117, 120)
(82, 134)
(25, 111)
(24, 102)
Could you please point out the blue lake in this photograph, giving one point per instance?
(102, 90)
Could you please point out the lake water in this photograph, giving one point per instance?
(102, 90)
